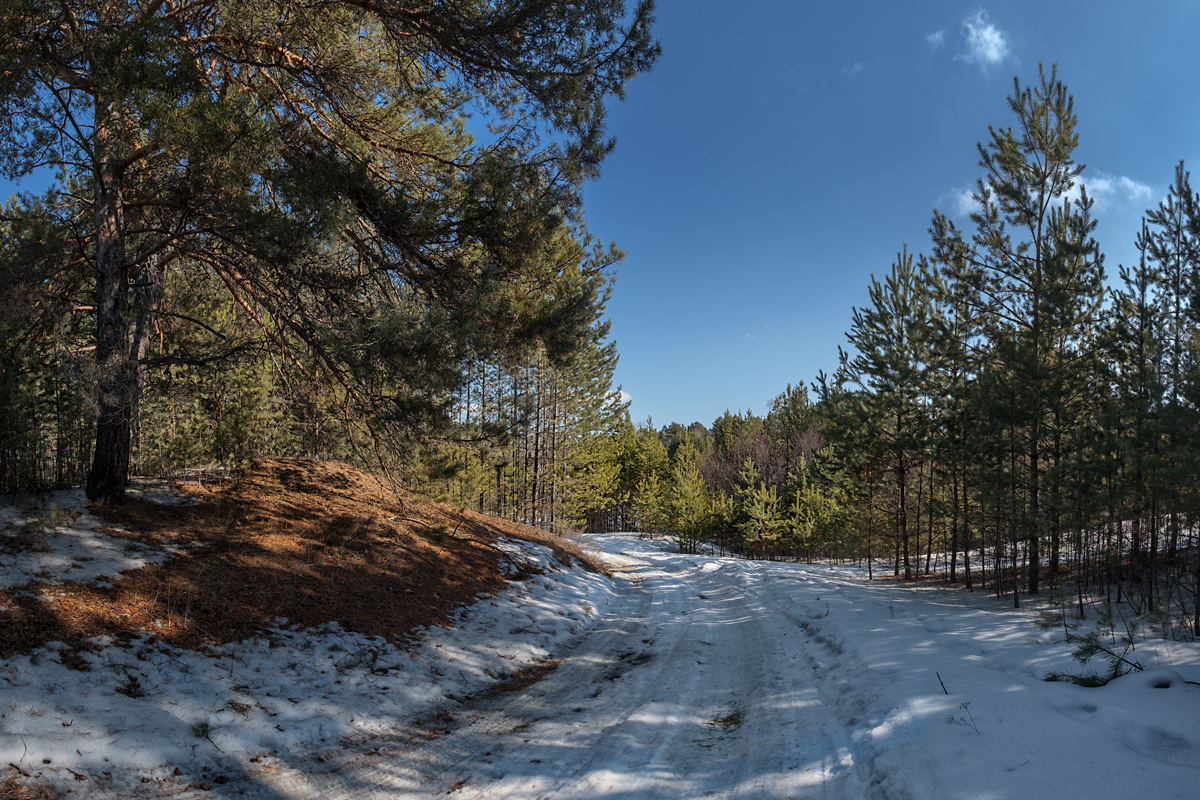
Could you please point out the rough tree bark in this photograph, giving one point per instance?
(116, 380)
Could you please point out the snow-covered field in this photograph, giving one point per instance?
(683, 676)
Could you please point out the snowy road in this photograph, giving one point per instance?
(691, 687)
(719, 677)
(685, 676)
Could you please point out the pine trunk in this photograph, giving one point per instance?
(116, 380)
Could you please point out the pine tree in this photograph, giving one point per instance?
(689, 508)
(316, 158)
(890, 339)
(649, 504)
(47, 422)
(1171, 240)
(758, 519)
(1044, 291)
(955, 353)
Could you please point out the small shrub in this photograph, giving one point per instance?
(1049, 619)
(1093, 645)
(967, 722)
(48, 520)
(734, 718)
(132, 687)
(1088, 680)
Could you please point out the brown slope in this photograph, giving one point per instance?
(311, 542)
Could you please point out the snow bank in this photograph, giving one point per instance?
(61, 540)
(882, 652)
(149, 719)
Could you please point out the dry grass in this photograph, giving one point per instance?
(567, 548)
(311, 542)
(12, 789)
(307, 541)
(526, 677)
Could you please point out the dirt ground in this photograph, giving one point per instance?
(307, 541)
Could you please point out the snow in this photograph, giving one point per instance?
(78, 549)
(682, 676)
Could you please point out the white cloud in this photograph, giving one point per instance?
(1109, 192)
(854, 70)
(958, 203)
(936, 39)
(986, 44)
(1098, 187)
(1136, 190)
(616, 398)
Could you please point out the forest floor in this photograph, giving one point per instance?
(332, 647)
(126, 632)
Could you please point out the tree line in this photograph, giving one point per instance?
(274, 234)
(304, 227)
(1002, 414)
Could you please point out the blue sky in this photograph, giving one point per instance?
(781, 152)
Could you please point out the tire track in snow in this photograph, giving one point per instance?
(714, 653)
(693, 687)
(841, 678)
(484, 728)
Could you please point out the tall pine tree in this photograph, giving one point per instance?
(1036, 268)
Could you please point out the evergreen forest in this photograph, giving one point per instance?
(1004, 416)
(289, 234)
